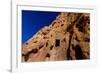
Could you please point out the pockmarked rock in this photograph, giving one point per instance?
(66, 38)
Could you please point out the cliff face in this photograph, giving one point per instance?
(67, 38)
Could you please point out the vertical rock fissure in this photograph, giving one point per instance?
(71, 31)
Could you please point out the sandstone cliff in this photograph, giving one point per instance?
(67, 38)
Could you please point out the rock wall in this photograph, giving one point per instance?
(67, 38)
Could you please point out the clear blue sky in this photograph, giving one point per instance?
(33, 21)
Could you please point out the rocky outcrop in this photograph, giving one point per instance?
(67, 38)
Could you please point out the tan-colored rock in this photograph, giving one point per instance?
(64, 39)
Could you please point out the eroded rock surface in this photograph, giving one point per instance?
(67, 38)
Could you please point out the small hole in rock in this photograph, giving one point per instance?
(35, 41)
(48, 55)
(34, 50)
(46, 44)
(76, 39)
(78, 52)
(44, 33)
(62, 24)
(26, 57)
(57, 43)
(87, 39)
(23, 54)
(63, 20)
(41, 46)
(51, 47)
(64, 40)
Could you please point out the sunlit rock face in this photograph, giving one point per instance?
(66, 38)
